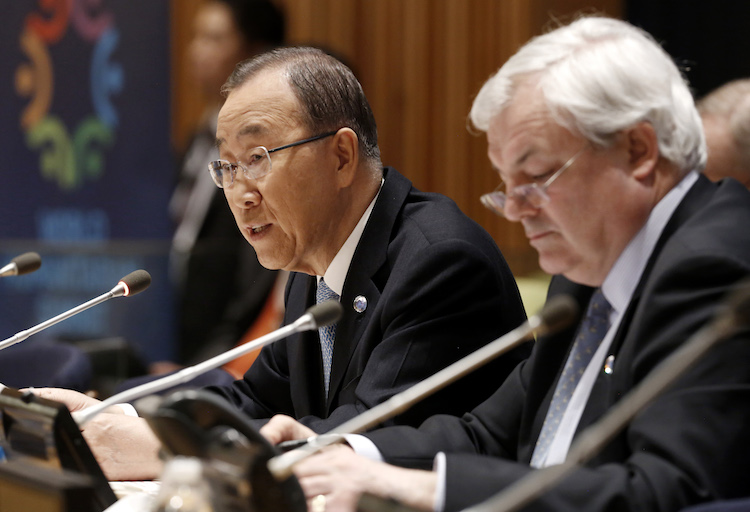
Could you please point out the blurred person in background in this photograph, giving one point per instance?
(222, 293)
(726, 122)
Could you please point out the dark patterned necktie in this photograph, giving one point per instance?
(591, 333)
(327, 334)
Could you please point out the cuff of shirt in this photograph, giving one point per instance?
(128, 410)
(363, 446)
(439, 466)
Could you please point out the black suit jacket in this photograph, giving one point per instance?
(225, 288)
(437, 288)
(693, 444)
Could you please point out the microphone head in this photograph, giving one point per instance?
(27, 262)
(135, 282)
(558, 313)
(325, 313)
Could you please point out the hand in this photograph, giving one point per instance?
(74, 400)
(124, 446)
(282, 428)
(342, 477)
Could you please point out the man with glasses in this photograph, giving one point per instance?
(596, 138)
(421, 285)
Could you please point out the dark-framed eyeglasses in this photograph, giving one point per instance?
(258, 162)
(532, 193)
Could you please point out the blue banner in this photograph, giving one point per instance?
(86, 165)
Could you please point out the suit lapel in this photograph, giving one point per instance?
(362, 280)
(699, 194)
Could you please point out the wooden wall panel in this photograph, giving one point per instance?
(417, 100)
(420, 62)
(187, 104)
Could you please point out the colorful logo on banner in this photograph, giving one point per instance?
(69, 156)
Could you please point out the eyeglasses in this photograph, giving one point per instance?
(533, 193)
(258, 163)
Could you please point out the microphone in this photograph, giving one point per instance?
(25, 263)
(733, 315)
(131, 284)
(317, 316)
(557, 313)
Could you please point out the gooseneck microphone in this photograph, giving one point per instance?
(131, 284)
(22, 264)
(733, 316)
(317, 316)
(557, 313)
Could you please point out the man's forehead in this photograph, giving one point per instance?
(253, 100)
(511, 145)
(254, 111)
(522, 130)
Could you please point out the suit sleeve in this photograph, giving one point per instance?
(265, 390)
(416, 447)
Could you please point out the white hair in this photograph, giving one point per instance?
(599, 76)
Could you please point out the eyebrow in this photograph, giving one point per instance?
(519, 161)
(525, 156)
(250, 129)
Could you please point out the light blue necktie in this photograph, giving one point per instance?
(590, 335)
(327, 334)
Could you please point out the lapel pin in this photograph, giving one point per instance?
(609, 365)
(360, 304)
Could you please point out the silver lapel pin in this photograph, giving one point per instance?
(360, 303)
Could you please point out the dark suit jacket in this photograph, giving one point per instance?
(693, 444)
(225, 288)
(437, 288)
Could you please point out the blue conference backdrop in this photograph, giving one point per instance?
(86, 165)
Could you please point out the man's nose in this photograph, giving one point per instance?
(516, 207)
(244, 191)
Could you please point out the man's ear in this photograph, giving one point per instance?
(643, 149)
(346, 147)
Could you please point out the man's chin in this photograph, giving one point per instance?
(553, 265)
(270, 263)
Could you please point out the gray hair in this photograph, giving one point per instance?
(731, 104)
(599, 76)
(330, 95)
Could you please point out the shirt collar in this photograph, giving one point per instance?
(335, 274)
(620, 283)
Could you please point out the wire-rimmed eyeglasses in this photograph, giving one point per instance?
(533, 193)
(258, 163)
